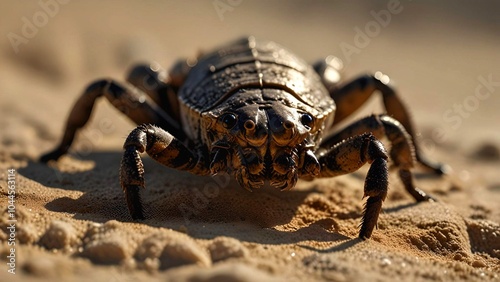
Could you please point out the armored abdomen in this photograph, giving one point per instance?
(250, 64)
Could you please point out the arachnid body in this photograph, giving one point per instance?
(257, 111)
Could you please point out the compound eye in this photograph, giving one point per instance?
(228, 120)
(307, 120)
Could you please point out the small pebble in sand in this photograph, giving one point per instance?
(59, 235)
(26, 233)
(223, 248)
(151, 247)
(150, 264)
(182, 252)
(478, 263)
(460, 256)
(386, 262)
(107, 243)
(111, 249)
(168, 250)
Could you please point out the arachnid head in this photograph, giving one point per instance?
(261, 142)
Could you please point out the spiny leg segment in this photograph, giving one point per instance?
(162, 147)
(348, 156)
(343, 154)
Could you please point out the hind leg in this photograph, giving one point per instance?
(131, 101)
(151, 79)
(160, 85)
(352, 95)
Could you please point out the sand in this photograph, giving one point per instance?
(72, 221)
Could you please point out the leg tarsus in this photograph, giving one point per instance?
(372, 209)
(134, 202)
(132, 180)
(376, 184)
(419, 195)
(53, 155)
(163, 148)
(348, 156)
(435, 167)
(78, 117)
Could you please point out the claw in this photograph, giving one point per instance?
(245, 180)
(286, 182)
(52, 156)
(311, 164)
(283, 163)
(219, 160)
(437, 168)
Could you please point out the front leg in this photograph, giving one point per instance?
(348, 156)
(160, 146)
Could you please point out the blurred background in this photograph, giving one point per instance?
(438, 54)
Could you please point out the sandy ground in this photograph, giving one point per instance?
(72, 223)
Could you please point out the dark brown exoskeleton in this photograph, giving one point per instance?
(257, 111)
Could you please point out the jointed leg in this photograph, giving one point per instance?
(78, 117)
(151, 79)
(352, 95)
(125, 97)
(345, 154)
(160, 85)
(348, 156)
(402, 150)
(160, 146)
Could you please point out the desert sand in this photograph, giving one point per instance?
(72, 223)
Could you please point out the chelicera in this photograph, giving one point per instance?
(255, 110)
